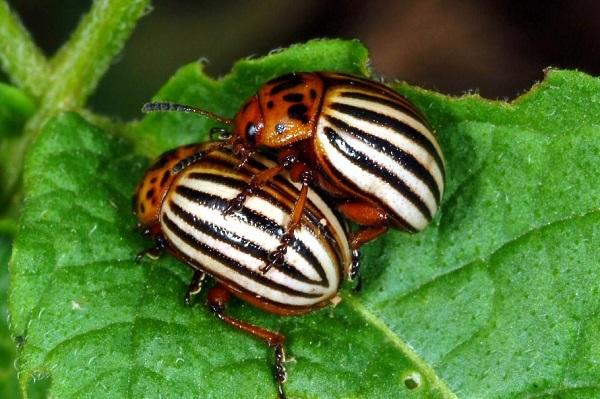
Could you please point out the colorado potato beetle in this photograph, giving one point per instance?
(184, 214)
(357, 139)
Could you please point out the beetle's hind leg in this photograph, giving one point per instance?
(218, 296)
(194, 287)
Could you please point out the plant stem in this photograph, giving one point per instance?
(83, 60)
(20, 58)
(79, 65)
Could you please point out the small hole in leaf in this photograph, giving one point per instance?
(412, 381)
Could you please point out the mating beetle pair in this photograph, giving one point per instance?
(358, 141)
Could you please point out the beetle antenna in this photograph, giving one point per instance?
(174, 107)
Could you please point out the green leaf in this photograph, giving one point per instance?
(496, 299)
(9, 385)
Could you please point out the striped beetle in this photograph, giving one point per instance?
(184, 214)
(360, 141)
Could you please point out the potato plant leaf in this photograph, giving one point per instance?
(497, 299)
(9, 387)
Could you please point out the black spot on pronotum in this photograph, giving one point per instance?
(270, 104)
(313, 94)
(153, 180)
(142, 208)
(298, 111)
(161, 162)
(251, 133)
(293, 97)
(149, 193)
(165, 177)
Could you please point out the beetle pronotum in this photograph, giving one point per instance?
(184, 214)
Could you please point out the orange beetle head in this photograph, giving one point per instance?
(249, 126)
(283, 112)
(153, 187)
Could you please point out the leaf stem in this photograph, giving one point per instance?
(79, 65)
(20, 58)
(83, 60)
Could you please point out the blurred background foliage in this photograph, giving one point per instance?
(496, 47)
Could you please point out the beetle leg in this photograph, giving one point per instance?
(355, 270)
(218, 296)
(366, 234)
(257, 181)
(194, 287)
(374, 221)
(277, 256)
(153, 252)
(197, 156)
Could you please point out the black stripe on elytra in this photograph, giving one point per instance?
(290, 194)
(366, 163)
(240, 243)
(255, 165)
(336, 177)
(255, 219)
(286, 82)
(394, 124)
(331, 80)
(228, 262)
(385, 147)
(239, 185)
(314, 215)
(402, 106)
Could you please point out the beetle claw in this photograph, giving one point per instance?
(194, 287)
(280, 372)
(236, 204)
(153, 253)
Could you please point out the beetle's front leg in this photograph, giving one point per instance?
(154, 252)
